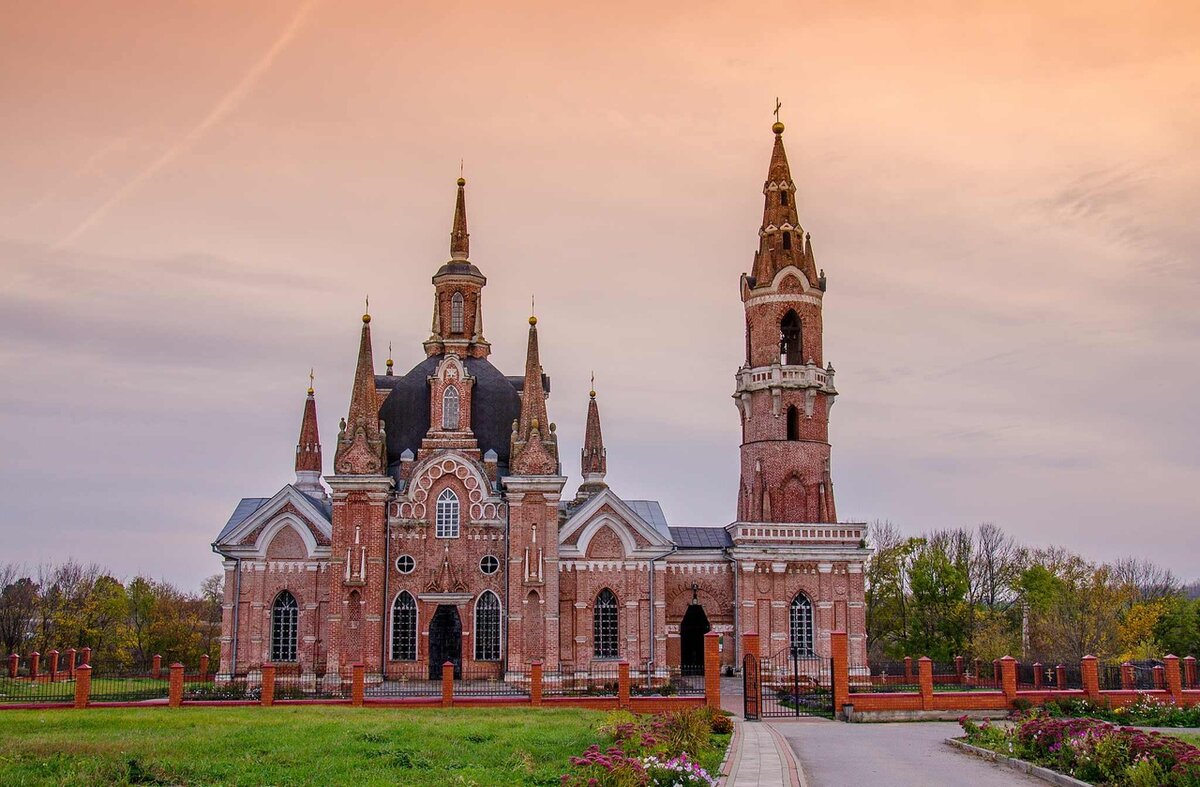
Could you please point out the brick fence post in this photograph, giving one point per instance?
(53, 665)
(1008, 679)
(35, 659)
(156, 666)
(925, 681)
(752, 703)
(83, 685)
(358, 684)
(1060, 676)
(623, 684)
(1091, 678)
(14, 663)
(839, 651)
(535, 683)
(1189, 672)
(1127, 676)
(712, 670)
(267, 698)
(204, 667)
(908, 672)
(751, 645)
(1037, 675)
(958, 669)
(86, 656)
(70, 663)
(175, 688)
(978, 668)
(447, 684)
(1174, 686)
(1160, 677)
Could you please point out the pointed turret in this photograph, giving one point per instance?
(594, 461)
(362, 444)
(534, 449)
(308, 450)
(460, 240)
(781, 238)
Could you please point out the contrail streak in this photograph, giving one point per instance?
(226, 105)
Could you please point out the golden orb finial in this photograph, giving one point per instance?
(777, 127)
(462, 181)
(532, 320)
(366, 318)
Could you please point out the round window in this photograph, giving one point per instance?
(489, 564)
(405, 564)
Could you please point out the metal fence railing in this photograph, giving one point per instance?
(128, 686)
(487, 680)
(600, 679)
(24, 690)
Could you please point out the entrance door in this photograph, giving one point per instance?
(691, 640)
(445, 641)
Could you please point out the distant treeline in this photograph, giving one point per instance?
(978, 593)
(72, 605)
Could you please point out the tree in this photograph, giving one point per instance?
(940, 613)
(18, 608)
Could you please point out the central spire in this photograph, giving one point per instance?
(782, 241)
(460, 239)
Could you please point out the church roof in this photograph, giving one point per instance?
(495, 404)
(701, 537)
(248, 505)
(652, 514)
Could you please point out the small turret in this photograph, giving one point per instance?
(308, 450)
(362, 444)
(534, 450)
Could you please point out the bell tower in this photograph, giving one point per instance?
(784, 388)
(458, 295)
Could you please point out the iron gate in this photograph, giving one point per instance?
(787, 684)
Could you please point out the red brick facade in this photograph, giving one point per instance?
(446, 534)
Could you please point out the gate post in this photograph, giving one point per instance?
(750, 645)
(447, 684)
(1008, 679)
(840, 651)
(1091, 678)
(712, 670)
(925, 681)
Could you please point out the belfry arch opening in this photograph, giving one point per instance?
(793, 423)
(790, 350)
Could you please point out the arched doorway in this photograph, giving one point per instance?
(445, 641)
(691, 639)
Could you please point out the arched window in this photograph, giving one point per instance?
(802, 625)
(487, 627)
(285, 620)
(456, 313)
(790, 349)
(787, 240)
(447, 515)
(783, 197)
(604, 625)
(793, 423)
(404, 628)
(450, 408)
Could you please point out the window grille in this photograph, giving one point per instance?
(405, 564)
(450, 408)
(802, 625)
(404, 628)
(604, 625)
(456, 313)
(447, 515)
(285, 618)
(487, 627)
(489, 564)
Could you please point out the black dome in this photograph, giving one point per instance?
(495, 404)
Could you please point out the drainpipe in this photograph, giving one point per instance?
(237, 605)
(507, 555)
(387, 573)
(737, 611)
(670, 551)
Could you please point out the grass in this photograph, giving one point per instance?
(293, 745)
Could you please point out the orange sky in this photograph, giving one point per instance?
(197, 197)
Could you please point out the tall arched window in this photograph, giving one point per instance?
(802, 625)
(285, 620)
(793, 423)
(404, 628)
(487, 627)
(604, 625)
(447, 515)
(450, 408)
(456, 313)
(790, 349)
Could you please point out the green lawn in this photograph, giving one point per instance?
(293, 745)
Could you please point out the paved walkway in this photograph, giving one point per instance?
(912, 754)
(761, 758)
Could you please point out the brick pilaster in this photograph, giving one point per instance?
(358, 688)
(268, 685)
(1008, 678)
(712, 670)
(83, 685)
(839, 646)
(623, 684)
(535, 683)
(751, 645)
(447, 684)
(175, 688)
(1091, 678)
(925, 681)
(1174, 684)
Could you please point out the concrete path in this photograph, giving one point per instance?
(761, 758)
(833, 754)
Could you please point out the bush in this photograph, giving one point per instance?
(651, 750)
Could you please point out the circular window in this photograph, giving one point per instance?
(489, 564)
(405, 564)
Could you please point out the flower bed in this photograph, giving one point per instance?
(1092, 750)
(680, 748)
(1148, 711)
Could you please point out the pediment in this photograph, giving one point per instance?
(288, 508)
(604, 514)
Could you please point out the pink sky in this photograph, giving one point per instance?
(197, 197)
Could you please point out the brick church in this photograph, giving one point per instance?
(445, 533)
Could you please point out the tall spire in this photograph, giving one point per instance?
(362, 444)
(460, 239)
(308, 450)
(534, 449)
(781, 238)
(594, 462)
